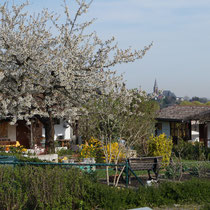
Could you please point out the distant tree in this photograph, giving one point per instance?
(197, 103)
(186, 98)
(195, 98)
(168, 100)
(194, 103)
(202, 100)
(186, 103)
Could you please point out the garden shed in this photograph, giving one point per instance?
(28, 135)
(191, 123)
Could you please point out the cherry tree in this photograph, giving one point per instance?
(47, 75)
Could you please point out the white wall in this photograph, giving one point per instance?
(165, 129)
(61, 130)
(208, 134)
(195, 130)
(208, 130)
(12, 132)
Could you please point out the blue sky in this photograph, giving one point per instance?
(180, 30)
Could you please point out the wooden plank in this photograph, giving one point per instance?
(7, 143)
(145, 163)
(4, 130)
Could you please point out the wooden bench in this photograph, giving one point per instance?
(6, 142)
(146, 163)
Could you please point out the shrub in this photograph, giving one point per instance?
(21, 158)
(92, 148)
(161, 146)
(63, 152)
(196, 151)
(117, 152)
(60, 188)
(206, 206)
(200, 168)
(175, 170)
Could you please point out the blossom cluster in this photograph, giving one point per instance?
(44, 74)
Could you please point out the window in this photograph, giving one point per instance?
(159, 126)
(3, 129)
(158, 129)
(180, 130)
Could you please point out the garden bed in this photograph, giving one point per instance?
(101, 175)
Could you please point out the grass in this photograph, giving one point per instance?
(190, 165)
(101, 173)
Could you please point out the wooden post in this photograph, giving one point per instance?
(126, 172)
(31, 142)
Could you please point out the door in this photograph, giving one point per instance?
(3, 130)
(203, 133)
(23, 134)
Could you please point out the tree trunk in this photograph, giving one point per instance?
(107, 175)
(48, 124)
(49, 136)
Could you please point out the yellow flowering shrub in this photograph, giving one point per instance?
(23, 150)
(161, 146)
(115, 151)
(17, 148)
(92, 148)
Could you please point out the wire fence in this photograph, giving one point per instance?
(199, 167)
(88, 167)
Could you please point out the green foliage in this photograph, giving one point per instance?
(199, 168)
(161, 146)
(173, 170)
(195, 103)
(186, 103)
(58, 188)
(206, 206)
(127, 116)
(20, 157)
(207, 103)
(63, 152)
(196, 151)
(92, 148)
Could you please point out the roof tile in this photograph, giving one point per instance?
(179, 112)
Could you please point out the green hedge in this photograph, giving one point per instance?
(58, 188)
(20, 157)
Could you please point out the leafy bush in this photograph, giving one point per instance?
(63, 152)
(200, 168)
(174, 170)
(161, 146)
(191, 151)
(117, 152)
(21, 158)
(206, 206)
(59, 188)
(92, 148)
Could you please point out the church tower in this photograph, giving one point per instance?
(155, 88)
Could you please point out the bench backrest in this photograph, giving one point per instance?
(145, 163)
(7, 142)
